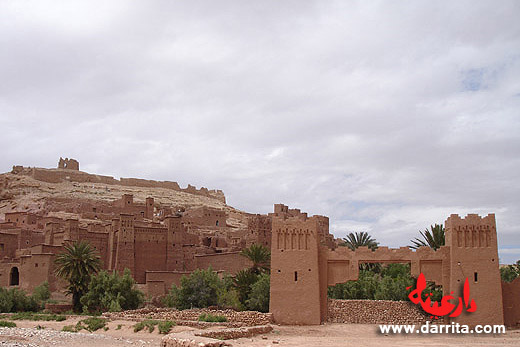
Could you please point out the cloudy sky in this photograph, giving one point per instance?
(385, 116)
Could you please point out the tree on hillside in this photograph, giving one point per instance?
(78, 262)
(359, 239)
(260, 256)
(433, 238)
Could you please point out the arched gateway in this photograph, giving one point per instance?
(302, 267)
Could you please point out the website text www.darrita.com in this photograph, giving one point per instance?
(453, 328)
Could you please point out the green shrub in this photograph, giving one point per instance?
(259, 296)
(119, 327)
(364, 288)
(165, 327)
(112, 292)
(208, 317)
(389, 283)
(70, 328)
(229, 299)
(91, 324)
(60, 318)
(244, 280)
(199, 289)
(138, 327)
(509, 273)
(42, 293)
(7, 324)
(37, 316)
(148, 324)
(15, 300)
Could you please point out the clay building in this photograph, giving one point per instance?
(161, 242)
(130, 239)
(158, 243)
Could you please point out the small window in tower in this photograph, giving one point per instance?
(217, 223)
(476, 276)
(295, 276)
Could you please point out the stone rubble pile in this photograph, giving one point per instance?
(31, 337)
(188, 340)
(375, 312)
(236, 333)
(211, 338)
(190, 317)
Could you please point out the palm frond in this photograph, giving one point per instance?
(433, 238)
(259, 255)
(359, 239)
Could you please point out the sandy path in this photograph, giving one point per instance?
(358, 335)
(361, 335)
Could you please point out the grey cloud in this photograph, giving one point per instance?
(387, 117)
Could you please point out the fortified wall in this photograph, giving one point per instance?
(303, 266)
(68, 170)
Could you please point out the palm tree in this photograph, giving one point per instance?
(433, 238)
(259, 255)
(359, 239)
(243, 281)
(75, 265)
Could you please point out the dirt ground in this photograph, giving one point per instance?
(358, 335)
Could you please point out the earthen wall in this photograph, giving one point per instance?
(511, 303)
(150, 251)
(231, 262)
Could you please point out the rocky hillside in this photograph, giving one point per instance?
(22, 191)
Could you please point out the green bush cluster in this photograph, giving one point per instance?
(16, 300)
(509, 273)
(258, 297)
(37, 316)
(69, 328)
(7, 324)
(253, 290)
(112, 292)
(252, 284)
(148, 324)
(164, 327)
(385, 283)
(90, 324)
(208, 317)
(202, 288)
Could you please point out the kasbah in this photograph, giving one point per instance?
(161, 240)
